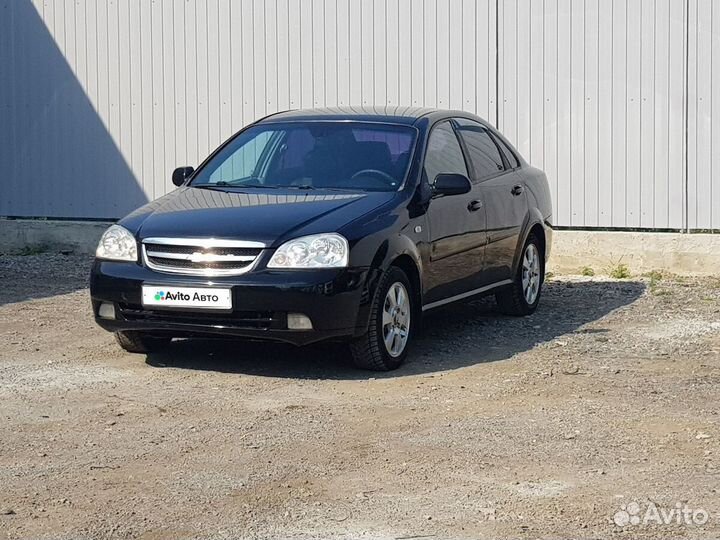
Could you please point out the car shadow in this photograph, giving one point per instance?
(455, 336)
(42, 275)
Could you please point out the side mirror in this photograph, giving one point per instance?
(451, 184)
(181, 174)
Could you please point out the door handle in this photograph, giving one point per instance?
(517, 190)
(474, 206)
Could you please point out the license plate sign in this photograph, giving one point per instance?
(186, 297)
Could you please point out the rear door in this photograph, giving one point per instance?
(456, 231)
(500, 191)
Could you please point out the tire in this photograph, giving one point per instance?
(370, 351)
(515, 299)
(138, 342)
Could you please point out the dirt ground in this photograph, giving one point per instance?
(540, 427)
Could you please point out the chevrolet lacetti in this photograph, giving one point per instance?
(331, 224)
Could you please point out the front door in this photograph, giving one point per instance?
(456, 223)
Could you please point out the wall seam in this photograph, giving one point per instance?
(497, 65)
(686, 120)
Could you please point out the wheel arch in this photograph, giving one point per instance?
(408, 265)
(399, 251)
(533, 225)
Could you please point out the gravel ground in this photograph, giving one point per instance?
(539, 427)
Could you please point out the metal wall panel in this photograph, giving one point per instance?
(592, 92)
(704, 115)
(101, 99)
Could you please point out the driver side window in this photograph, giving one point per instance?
(243, 162)
(443, 155)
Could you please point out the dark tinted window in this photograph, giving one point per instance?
(333, 155)
(511, 159)
(443, 153)
(484, 153)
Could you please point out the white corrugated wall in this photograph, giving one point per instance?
(704, 115)
(101, 99)
(593, 93)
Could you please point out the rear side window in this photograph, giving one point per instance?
(509, 155)
(484, 153)
(444, 155)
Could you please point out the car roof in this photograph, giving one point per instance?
(385, 114)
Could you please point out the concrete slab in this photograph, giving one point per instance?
(76, 236)
(686, 254)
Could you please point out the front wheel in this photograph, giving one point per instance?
(384, 346)
(523, 296)
(139, 342)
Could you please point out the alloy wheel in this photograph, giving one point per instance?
(531, 273)
(396, 319)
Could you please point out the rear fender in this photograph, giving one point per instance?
(532, 219)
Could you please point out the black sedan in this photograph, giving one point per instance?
(329, 224)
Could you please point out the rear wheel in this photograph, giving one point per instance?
(523, 296)
(384, 346)
(139, 342)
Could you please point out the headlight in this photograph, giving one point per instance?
(117, 244)
(316, 251)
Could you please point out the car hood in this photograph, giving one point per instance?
(263, 215)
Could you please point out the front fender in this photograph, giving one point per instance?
(389, 250)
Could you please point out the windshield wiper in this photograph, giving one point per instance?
(207, 186)
(263, 186)
(224, 184)
(323, 188)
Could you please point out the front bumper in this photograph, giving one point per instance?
(335, 300)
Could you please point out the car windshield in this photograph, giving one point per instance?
(313, 155)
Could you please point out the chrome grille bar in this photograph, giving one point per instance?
(196, 256)
(201, 257)
(205, 242)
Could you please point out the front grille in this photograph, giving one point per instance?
(200, 257)
(189, 250)
(179, 263)
(260, 320)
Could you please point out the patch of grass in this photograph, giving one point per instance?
(661, 277)
(619, 271)
(655, 275)
(587, 271)
(32, 250)
(660, 292)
